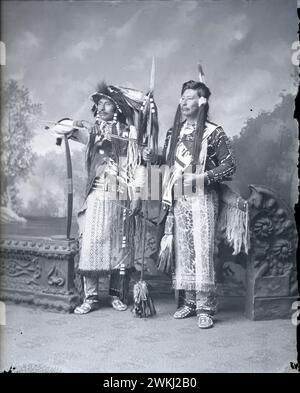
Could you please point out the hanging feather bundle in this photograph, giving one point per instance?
(165, 256)
(143, 117)
(149, 114)
(133, 159)
(143, 304)
(154, 129)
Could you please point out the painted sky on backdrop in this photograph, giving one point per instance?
(61, 49)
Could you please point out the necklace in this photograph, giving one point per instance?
(106, 127)
(188, 128)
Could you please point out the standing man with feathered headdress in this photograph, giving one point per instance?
(106, 222)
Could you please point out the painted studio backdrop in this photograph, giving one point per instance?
(57, 52)
(53, 56)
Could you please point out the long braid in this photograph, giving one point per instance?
(174, 136)
(202, 118)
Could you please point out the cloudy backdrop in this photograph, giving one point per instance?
(61, 49)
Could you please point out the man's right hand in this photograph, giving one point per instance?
(83, 124)
(146, 154)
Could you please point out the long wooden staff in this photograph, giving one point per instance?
(143, 304)
(145, 218)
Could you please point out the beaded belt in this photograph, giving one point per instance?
(102, 185)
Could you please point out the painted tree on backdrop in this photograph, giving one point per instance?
(267, 151)
(18, 115)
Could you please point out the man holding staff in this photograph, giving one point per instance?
(106, 222)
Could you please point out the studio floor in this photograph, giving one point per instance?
(35, 340)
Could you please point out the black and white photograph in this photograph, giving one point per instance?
(149, 181)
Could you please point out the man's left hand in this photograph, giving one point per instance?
(135, 206)
(198, 179)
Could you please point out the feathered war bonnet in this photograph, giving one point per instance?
(127, 101)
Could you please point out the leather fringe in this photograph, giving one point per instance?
(234, 223)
